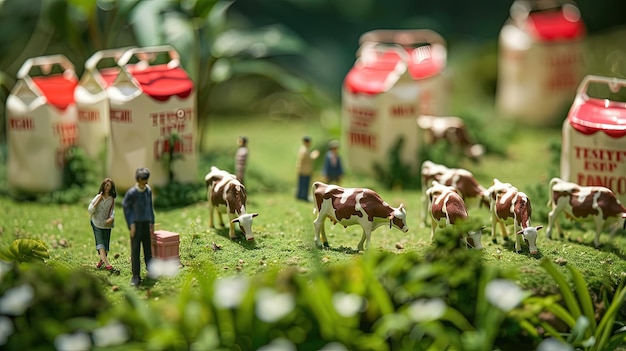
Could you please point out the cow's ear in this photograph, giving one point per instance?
(401, 207)
(538, 227)
(520, 231)
(390, 221)
(255, 214)
(236, 220)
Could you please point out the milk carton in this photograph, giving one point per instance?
(41, 124)
(93, 103)
(398, 75)
(540, 61)
(594, 136)
(153, 118)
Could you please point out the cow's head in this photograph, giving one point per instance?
(398, 218)
(530, 234)
(245, 224)
(475, 237)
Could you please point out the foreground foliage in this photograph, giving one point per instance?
(449, 299)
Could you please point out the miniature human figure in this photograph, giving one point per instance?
(333, 170)
(102, 212)
(241, 158)
(304, 167)
(139, 214)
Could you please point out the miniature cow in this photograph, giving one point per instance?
(592, 203)
(446, 207)
(461, 179)
(227, 195)
(452, 130)
(348, 206)
(508, 205)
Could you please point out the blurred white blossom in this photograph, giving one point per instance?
(5, 267)
(229, 291)
(504, 294)
(6, 329)
(163, 268)
(279, 344)
(554, 344)
(334, 346)
(73, 342)
(272, 305)
(347, 305)
(426, 310)
(110, 335)
(16, 300)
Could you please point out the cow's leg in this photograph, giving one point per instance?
(424, 208)
(320, 231)
(367, 233)
(231, 230)
(493, 228)
(553, 220)
(518, 239)
(433, 227)
(211, 210)
(599, 226)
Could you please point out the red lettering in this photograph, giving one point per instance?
(121, 116)
(362, 139)
(616, 184)
(403, 111)
(170, 122)
(88, 115)
(182, 145)
(66, 132)
(25, 123)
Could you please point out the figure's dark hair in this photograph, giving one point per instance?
(112, 192)
(142, 173)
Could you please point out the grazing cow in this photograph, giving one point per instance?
(591, 203)
(446, 207)
(461, 179)
(227, 195)
(508, 205)
(348, 206)
(452, 130)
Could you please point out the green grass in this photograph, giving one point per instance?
(284, 228)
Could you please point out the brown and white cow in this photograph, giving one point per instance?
(349, 206)
(452, 130)
(459, 178)
(509, 205)
(227, 195)
(446, 207)
(591, 203)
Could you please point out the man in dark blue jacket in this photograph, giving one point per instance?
(139, 214)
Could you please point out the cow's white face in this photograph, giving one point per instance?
(245, 224)
(476, 236)
(399, 219)
(530, 234)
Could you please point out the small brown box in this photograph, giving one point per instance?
(165, 245)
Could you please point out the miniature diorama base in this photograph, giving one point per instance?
(165, 245)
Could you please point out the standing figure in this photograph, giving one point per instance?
(139, 214)
(241, 158)
(304, 167)
(333, 170)
(102, 212)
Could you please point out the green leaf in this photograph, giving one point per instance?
(257, 43)
(584, 298)
(568, 296)
(606, 323)
(579, 330)
(25, 250)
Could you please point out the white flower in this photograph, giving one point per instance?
(5, 267)
(347, 305)
(504, 294)
(426, 310)
(72, 342)
(163, 268)
(279, 344)
(272, 306)
(229, 291)
(16, 300)
(110, 335)
(6, 329)
(334, 346)
(553, 344)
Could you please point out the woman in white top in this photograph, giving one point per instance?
(102, 211)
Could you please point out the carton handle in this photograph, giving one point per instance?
(370, 50)
(46, 63)
(614, 84)
(148, 54)
(98, 56)
(402, 37)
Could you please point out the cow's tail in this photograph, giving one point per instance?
(624, 216)
(553, 181)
